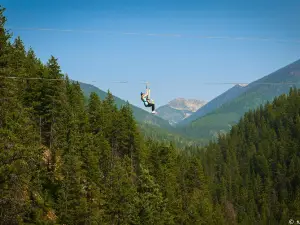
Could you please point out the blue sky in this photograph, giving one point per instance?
(175, 66)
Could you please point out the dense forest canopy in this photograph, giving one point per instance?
(67, 162)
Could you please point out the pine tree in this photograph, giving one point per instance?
(121, 195)
(152, 207)
(18, 142)
(95, 114)
(72, 203)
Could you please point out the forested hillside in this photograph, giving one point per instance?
(65, 162)
(254, 170)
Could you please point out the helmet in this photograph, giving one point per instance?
(142, 93)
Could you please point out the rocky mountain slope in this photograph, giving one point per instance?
(215, 103)
(179, 109)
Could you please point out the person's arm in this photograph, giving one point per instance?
(147, 93)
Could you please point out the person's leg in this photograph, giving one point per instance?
(152, 105)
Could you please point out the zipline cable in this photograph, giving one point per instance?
(126, 82)
(296, 41)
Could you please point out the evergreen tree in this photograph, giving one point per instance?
(153, 207)
(121, 195)
(18, 143)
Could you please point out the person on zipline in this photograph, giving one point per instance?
(145, 97)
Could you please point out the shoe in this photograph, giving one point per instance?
(154, 112)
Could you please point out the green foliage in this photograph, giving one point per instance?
(152, 205)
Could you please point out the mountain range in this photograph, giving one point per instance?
(245, 98)
(179, 109)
